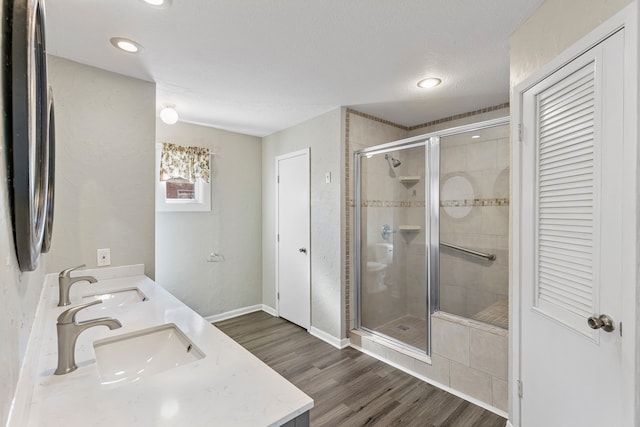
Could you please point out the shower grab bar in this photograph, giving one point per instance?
(490, 257)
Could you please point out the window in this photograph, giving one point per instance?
(178, 189)
(178, 193)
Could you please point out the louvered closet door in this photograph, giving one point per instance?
(567, 181)
(572, 241)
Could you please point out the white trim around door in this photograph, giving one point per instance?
(293, 237)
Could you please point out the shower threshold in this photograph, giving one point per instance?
(362, 338)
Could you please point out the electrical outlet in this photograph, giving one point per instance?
(104, 257)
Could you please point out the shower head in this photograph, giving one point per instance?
(394, 162)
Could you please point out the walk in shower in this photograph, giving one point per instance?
(431, 232)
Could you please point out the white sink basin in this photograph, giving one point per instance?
(130, 357)
(117, 298)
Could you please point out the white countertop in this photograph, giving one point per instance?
(228, 387)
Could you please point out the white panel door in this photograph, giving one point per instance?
(293, 252)
(572, 241)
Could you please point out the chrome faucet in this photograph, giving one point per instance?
(65, 281)
(69, 330)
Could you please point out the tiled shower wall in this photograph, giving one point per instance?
(387, 200)
(411, 249)
(361, 131)
(478, 219)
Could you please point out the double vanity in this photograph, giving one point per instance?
(164, 366)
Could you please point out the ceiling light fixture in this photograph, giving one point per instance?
(169, 115)
(159, 4)
(430, 82)
(127, 45)
(475, 137)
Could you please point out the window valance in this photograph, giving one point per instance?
(188, 163)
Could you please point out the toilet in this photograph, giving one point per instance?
(377, 269)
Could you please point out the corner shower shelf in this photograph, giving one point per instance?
(409, 179)
(409, 228)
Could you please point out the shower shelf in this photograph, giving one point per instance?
(409, 228)
(409, 179)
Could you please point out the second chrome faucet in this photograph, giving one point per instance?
(65, 281)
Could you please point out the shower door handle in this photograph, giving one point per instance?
(303, 250)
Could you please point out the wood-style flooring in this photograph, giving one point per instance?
(350, 388)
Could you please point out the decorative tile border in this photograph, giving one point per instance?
(432, 122)
(474, 202)
(460, 116)
(423, 204)
(375, 119)
(392, 204)
(348, 158)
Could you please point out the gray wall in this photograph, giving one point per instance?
(554, 27)
(19, 292)
(19, 296)
(105, 135)
(323, 134)
(184, 240)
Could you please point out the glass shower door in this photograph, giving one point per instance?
(393, 276)
(474, 225)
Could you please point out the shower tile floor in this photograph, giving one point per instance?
(410, 330)
(496, 314)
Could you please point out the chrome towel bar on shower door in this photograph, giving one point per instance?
(490, 257)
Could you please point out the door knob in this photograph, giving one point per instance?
(603, 321)
(303, 250)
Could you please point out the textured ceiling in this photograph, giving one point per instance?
(259, 66)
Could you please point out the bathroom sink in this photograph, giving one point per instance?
(130, 357)
(116, 298)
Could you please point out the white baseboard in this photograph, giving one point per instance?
(233, 313)
(269, 310)
(239, 312)
(329, 339)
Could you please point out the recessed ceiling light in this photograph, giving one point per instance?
(475, 137)
(430, 82)
(127, 45)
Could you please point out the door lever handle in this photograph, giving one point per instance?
(303, 250)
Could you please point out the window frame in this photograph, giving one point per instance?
(201, 203)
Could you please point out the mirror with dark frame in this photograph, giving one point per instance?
(48, 226)
(31, 144)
